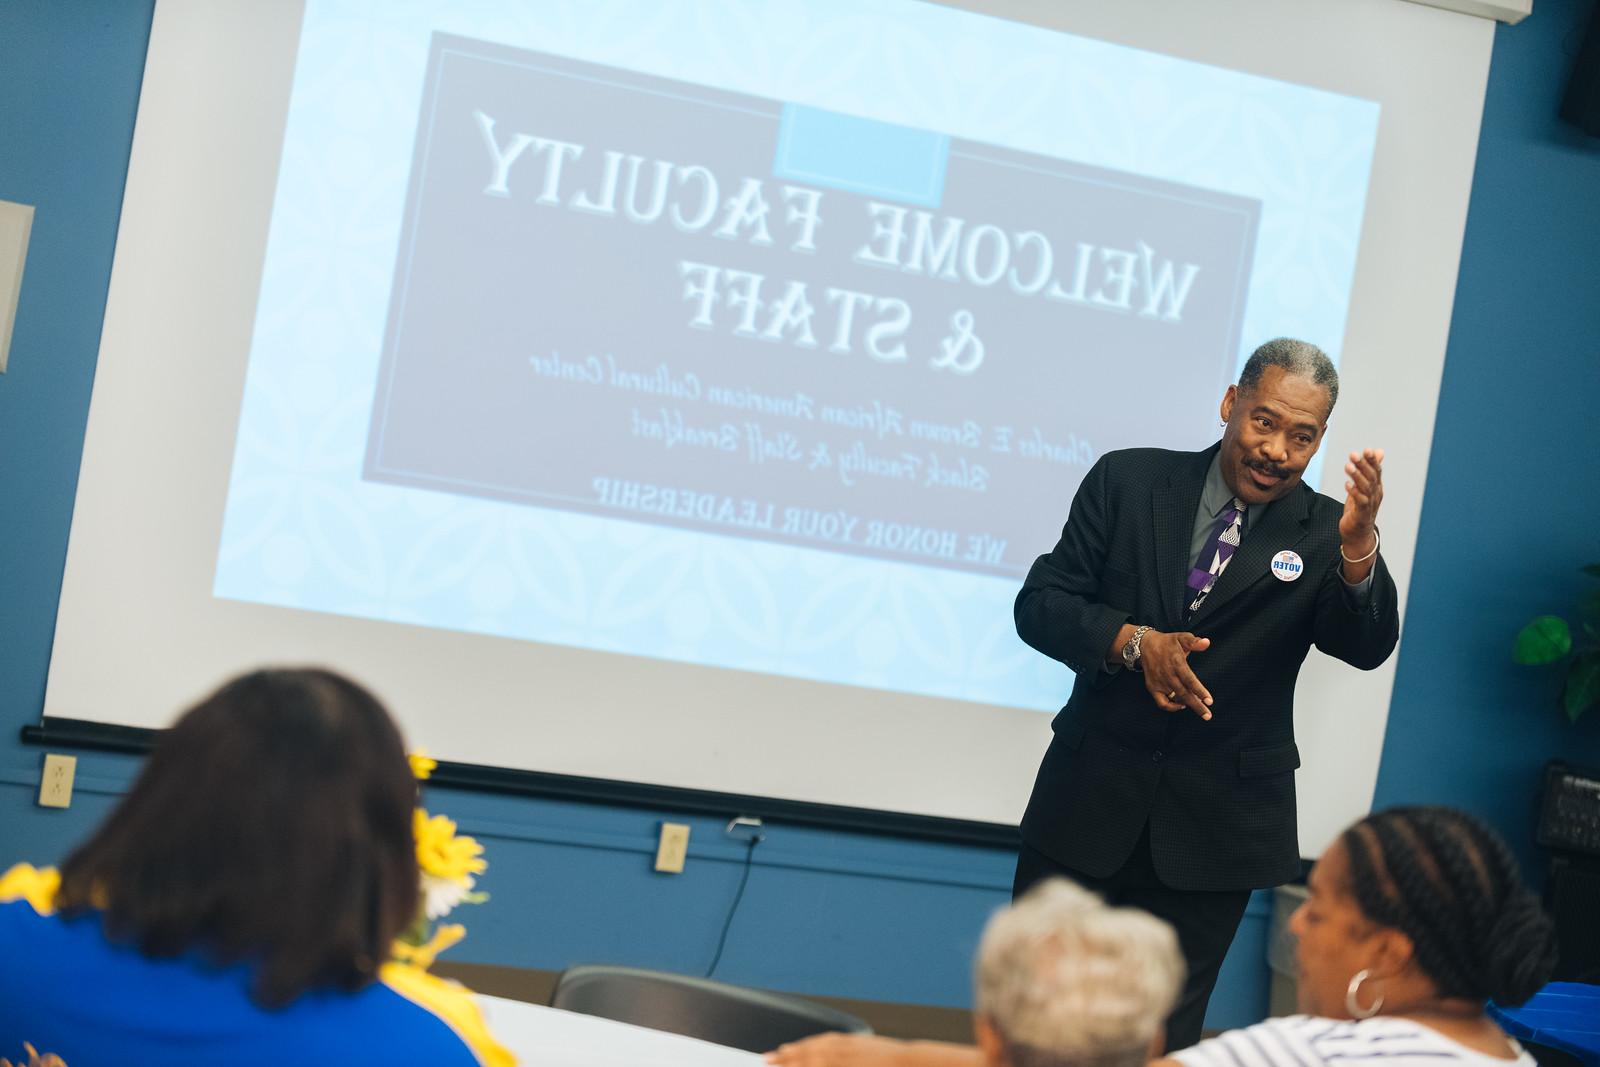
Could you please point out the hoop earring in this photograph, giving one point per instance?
(1353, 1006)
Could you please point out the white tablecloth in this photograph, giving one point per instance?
(549, 1037)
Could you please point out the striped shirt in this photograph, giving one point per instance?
(1307, 1041)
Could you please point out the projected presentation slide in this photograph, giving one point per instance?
(773, 337)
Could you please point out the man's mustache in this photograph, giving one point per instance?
(1272, 470)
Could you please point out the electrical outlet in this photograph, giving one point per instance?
(673, 847)
(55, 785)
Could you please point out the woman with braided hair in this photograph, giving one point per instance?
(1416, 918)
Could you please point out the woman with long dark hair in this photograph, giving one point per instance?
(239, 905)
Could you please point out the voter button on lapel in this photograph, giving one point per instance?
(1287, 566)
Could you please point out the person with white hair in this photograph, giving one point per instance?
(1062, 981)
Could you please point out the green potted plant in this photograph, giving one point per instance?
(1548, 639)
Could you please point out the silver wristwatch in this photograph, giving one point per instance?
(1130, 651)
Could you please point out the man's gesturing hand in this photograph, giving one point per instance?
(1358, 524)
(1173, 685)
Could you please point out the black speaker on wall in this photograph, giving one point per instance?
(1573, 897)
(1569, 827)
(1581, 105)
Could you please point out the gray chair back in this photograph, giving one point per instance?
(749, 1019)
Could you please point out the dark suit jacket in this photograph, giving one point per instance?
(1218, 795)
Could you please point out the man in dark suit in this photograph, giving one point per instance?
(1185, 592)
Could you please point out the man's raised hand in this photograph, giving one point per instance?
(1358, 525)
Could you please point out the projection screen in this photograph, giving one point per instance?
(677, 392)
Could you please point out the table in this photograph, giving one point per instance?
(1562, 1015)
(549, 1037)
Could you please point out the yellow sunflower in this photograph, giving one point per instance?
(442, 853)
(422, 765)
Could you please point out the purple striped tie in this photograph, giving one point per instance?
(1214, 557)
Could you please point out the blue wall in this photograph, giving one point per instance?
(69, 78)
(69, 81)
(838, 913)
(1516, 456)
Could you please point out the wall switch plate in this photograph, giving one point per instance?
(673, 847)
(55, 785)
(16, 220)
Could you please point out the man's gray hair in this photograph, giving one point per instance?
(1067, 981)
(1299, 358)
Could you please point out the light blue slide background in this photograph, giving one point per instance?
(302, 530)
